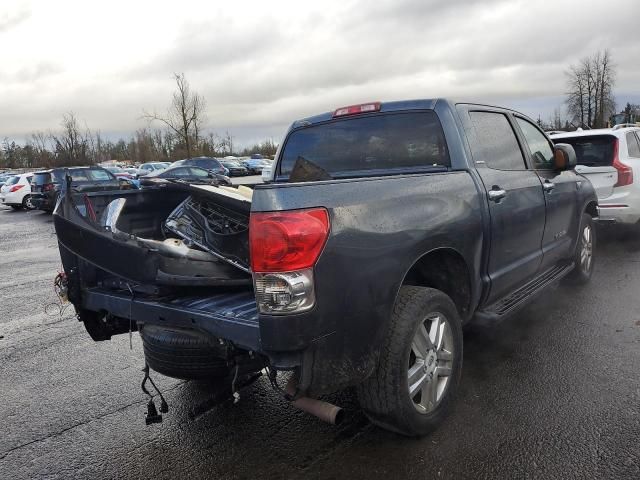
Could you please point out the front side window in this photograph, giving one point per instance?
(373, 144)
(78, 175)
(541, 150)
(632, 145)
(497, 144)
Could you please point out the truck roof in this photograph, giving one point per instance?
(398, 105)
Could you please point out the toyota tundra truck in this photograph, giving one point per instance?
(383, 230)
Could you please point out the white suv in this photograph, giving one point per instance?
(610, 159)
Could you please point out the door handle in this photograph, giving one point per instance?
(548, 186)
(495, 194)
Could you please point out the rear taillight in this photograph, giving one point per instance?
(47, 187)
(15, 188)
(287, 241)
(284, 247)
(625, 173)
(357, 109)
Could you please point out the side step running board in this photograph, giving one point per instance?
(511, 303)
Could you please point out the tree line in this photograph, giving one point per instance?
(178, 133)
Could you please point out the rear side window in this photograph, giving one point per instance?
(365, 145)
(632, 145)
(99, 175)
(13, 180)
(497, 144)
(592, 150)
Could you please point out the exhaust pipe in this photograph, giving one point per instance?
(323, 410)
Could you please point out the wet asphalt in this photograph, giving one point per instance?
(551, 393)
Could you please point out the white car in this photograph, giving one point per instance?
(16, 192)
(610, 159)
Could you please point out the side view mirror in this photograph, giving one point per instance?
(564, 157)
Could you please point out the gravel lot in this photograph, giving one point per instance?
(552, 393)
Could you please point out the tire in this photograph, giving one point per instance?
(584, 255)
(181, 354)
(27, 204)
(385, 396)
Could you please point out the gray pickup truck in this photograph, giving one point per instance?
(385, 228)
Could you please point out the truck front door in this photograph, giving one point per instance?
(561, 196)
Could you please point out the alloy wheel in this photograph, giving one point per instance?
(586, 253)
(430, 362)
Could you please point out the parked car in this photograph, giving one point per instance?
(5, 176)
(186, 173)
(147, 168)
(256, 165)
(15, 192)
(267, 173)
(46, 184)
(610, 159)
(385, 229)
(208, 163)
(236, 169)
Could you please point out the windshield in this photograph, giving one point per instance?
(591, 150)
(373, 144)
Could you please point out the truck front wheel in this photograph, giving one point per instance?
(420, 364)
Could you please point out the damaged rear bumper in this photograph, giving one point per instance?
(232, 317)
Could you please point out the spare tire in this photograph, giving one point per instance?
(184, 354)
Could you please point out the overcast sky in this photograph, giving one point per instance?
(262, 64)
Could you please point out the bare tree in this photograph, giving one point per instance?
(590, 90)
(72, 146)
(185, 116)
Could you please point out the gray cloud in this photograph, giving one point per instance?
(258, 73)
(11, 19)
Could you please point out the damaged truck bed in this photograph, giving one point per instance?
(178, 252)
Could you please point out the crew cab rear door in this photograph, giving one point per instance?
(515, 198)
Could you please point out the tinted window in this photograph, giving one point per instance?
(99, 175)
(541, 150)
(41, 178)
(592, 150)
(78, 175)
(632, 145)
(180, 172)
(206, 163)
(199, 172)
(13, 180)
(497, 143)
(371, 144)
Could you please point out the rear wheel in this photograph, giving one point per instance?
(420, 364)
(584, 255)
(27, 203)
